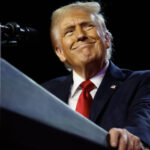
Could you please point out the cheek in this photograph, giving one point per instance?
(92, 33)
(67, 42)
(100, 48)
(95, 34)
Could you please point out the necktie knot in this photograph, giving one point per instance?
(87, 85)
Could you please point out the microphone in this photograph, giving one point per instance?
(15, 28)
(12, 32)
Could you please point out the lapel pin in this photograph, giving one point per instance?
(113, 86)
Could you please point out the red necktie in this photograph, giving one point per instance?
(85, 99)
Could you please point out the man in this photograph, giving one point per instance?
(121, 98)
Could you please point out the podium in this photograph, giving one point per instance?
(34, 119)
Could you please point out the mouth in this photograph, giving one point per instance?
(82, 45)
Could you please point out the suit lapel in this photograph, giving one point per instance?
(108, 86)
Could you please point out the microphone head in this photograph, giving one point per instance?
(13, 27)
(12, 31)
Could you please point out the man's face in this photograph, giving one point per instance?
(81, 42)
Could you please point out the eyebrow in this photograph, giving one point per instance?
(73, 25)
(68, 27)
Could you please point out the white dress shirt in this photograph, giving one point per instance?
(76, 89)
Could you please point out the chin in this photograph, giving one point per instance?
(87, 61)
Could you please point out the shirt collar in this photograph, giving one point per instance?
(96, 79)
(77, 80)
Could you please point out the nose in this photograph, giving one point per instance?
(80, 34)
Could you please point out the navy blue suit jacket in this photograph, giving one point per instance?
(122, 100)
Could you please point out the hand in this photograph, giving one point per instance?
(124, 140)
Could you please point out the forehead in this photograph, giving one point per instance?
(75, 16)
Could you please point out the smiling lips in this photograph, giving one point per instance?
(84, 44)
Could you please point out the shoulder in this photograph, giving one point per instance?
(127, 73)
(129, 76)
(139, 75)
(142, 78)
(57, 82)
(136, 79)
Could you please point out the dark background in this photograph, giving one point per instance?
(127, 20)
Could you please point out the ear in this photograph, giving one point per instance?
(59, 52)
(107, 40)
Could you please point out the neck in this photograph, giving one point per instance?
(88, 71)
